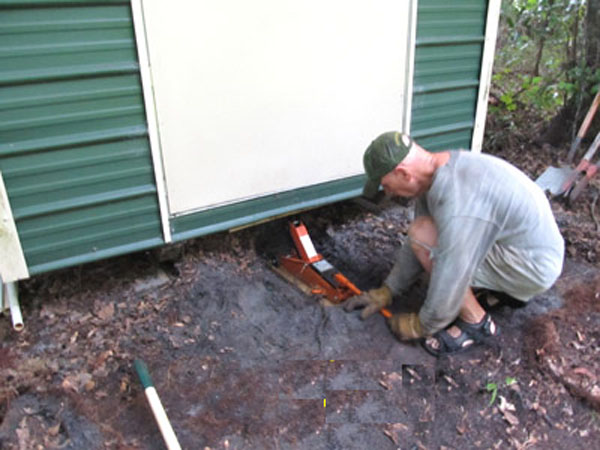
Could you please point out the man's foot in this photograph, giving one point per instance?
(460, 336)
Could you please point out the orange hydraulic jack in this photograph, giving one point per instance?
(315, 271)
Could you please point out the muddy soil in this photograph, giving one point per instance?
(244, 360)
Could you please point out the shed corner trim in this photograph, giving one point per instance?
(12, 260)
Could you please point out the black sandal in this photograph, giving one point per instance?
(471, 334)
(480, 331)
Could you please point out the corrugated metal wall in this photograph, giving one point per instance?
(74, 151)
(448, 55)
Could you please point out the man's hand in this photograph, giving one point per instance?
(372, 301)
(406, 326)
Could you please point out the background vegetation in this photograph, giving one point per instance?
(546, 71)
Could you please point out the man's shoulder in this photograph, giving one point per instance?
(478, 159)
(476, 156)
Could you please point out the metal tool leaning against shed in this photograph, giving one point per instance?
(479, 223)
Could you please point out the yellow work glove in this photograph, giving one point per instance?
(406, 326)
(372, 301)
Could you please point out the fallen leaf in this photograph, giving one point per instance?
(392, 431)
(531, 441)
(399, 427)
(106, 312)
(102, 358)
(385, 385)
(413, 373)
(69, 384)
(53, 431)
(76, 382)
(585, 372)
(510, 418)
(85, 318)
(505, 406)
(450, 381)
(390, 379)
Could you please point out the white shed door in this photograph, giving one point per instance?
(264, 96)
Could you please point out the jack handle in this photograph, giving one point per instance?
(343, 281)
(356, 291)
(385, 313)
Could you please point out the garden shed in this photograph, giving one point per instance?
(128, 125)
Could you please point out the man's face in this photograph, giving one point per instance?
(400, 183)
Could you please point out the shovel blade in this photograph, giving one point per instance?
(554, 180)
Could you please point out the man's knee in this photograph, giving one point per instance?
(423, 230)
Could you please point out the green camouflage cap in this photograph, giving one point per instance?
(382, 156)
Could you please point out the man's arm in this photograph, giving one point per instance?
(407, 267)
(405, 271)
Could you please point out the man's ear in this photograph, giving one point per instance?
(403, 172)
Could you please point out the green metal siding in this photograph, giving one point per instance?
(74, 150)
(448, 55)
(259, 209)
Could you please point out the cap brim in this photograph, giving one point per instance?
(371, 188)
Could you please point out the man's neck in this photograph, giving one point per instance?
(440, 159)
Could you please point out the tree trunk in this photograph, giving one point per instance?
(538, 58)
(592, 34)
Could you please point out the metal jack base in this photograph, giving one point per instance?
(314, 271)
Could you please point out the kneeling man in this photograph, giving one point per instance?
(479, 223)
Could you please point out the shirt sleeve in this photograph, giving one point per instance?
(463, 243)
(407, 267)
(405, 271)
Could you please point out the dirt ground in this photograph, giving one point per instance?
(244, 360)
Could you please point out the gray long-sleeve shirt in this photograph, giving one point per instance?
(495, 230)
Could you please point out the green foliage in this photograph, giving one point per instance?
(539, 59)
(494, 387)
(539, 65)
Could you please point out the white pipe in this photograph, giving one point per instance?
(13, 303)
(3, 307)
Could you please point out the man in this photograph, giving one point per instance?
(479, 223)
